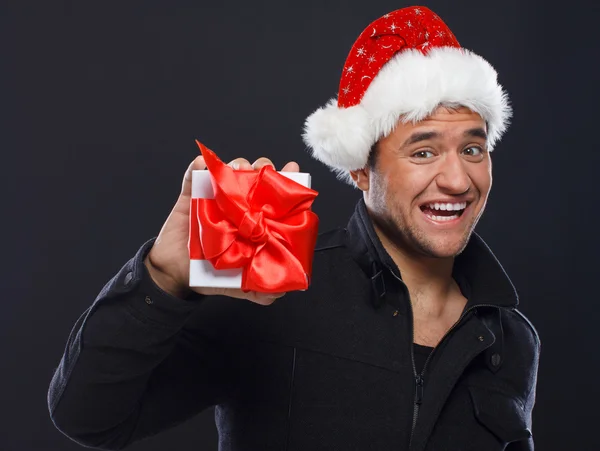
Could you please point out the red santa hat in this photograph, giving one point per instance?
(402, 67)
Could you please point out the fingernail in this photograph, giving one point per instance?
(235, 165)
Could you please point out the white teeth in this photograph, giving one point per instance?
(443, 218)
(448, 206)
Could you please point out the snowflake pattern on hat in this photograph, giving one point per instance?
(415, 27)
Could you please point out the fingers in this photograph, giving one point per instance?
(197, 165)
(240, 164)
(261, 163)
(292, 166)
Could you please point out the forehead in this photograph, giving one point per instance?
(450, 124)
(452, 117)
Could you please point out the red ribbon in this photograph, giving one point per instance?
(259, 221)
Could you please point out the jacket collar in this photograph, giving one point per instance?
(477, 271)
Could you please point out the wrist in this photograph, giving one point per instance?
(164, 281)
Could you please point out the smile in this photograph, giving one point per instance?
(444, 212)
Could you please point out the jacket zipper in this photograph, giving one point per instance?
(420, 378)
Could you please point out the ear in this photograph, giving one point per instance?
(361, 178)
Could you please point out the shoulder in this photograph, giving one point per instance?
(334, 262)
(522, 346)
(333, 256)
(519, 325)
(517, 344)
(331, 239)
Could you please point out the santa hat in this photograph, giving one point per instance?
(402, 67)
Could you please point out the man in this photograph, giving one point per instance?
(408, 337)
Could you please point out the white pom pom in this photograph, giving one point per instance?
(339, 137)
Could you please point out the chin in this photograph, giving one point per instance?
(444, 251)
(442, 247)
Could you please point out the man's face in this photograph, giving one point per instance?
(441, 160)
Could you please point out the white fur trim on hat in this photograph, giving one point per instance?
(408, 88)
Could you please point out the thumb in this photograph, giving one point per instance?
(197, 165)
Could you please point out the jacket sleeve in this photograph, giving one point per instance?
(129, 369)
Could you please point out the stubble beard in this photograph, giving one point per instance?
(413, 240)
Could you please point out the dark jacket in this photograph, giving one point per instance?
(331, 368)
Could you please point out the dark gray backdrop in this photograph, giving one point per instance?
(101, 104)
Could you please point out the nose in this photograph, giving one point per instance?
(453, 177)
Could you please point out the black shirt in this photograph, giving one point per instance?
(421, 354)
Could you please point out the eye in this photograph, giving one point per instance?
(423, 154)
(475, 152)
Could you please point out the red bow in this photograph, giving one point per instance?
(259, 221)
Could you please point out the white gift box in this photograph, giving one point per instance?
(202, 272)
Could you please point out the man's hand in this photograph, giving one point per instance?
(168, 260)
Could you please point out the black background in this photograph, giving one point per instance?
(101, 103)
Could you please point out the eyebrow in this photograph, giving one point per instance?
(477, 132)
(420, 136)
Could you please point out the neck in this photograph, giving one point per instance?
(428, 279)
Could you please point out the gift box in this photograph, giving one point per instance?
(252, 230)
